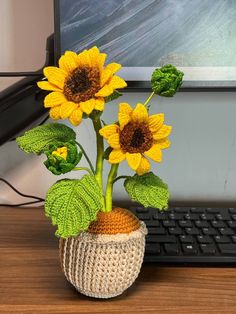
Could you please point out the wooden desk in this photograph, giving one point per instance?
(31, 280)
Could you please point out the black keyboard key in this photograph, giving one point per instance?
(175, 230)
(223, 216)
(192, 231)
(181, 209)
(232, 210)
(222, 239)
(204, 239)
(233, 217)
(189, 249)
(226, 231)
(197, 210)
(201, 223)
(168, 223)
(160, 230)
(186, 239)
(218, 223)
(191, 216)
(152, 223)
(212, 210)
(234, 238)
(185, 223)
(208, 249)
(144, 217)
(161, 239)
(232, 224)
(176, 216)
(209, 231)
(142, 210)
(171, 249)
(160, 216)
(156, 230)
(207, 216)
(153, 249)
(228, 249)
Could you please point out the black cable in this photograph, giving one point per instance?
(21, 204)
(39, 199)
(15, 74)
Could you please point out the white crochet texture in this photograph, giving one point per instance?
(100, 265)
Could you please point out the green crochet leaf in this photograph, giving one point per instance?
(39, 138)
(148, 189)
(73, 205)
(113, 96)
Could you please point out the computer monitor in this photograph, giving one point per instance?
(196, 36)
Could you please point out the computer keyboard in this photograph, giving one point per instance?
(190, 235)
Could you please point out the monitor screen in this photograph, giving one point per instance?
(196, 36)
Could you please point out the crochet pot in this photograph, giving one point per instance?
(104, 261)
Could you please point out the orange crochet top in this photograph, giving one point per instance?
(119, 220)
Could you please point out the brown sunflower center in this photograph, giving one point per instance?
(82, 84)
(136, 138)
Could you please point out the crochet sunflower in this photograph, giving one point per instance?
(136, 137)
(79, 87)
(80, 84)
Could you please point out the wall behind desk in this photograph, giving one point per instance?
(200, 164)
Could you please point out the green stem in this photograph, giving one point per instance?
(149, 98)
(111, 177)
(100, 151)
(83, 168)
(86, 157)
(119, 178)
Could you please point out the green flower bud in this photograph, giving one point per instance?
(166, 81)
(62, 157)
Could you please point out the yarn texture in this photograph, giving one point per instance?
(103, 265)
(119, 220)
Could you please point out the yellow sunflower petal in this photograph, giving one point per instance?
(54, 99)
(69, 61)
(76, 116)
(117, 82)
(143, 167)
(154, 153)
(101, 60)
(55, 76)
(140, 114)
(109, 70)
(67, 108)
(114, 141)
(84, 59)
(165, 143)
(94, 56)
(155, 122)
(99, 104)
(105, 91)
(124, 115)
(88, 106)
(48, 86)
(54, 113)
(116, 156)
(109, 130)
(133, 160)
(162, 133)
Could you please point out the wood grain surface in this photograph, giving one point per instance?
(31, 280)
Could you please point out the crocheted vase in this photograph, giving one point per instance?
(104, 261)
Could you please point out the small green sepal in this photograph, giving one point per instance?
(113, 96)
